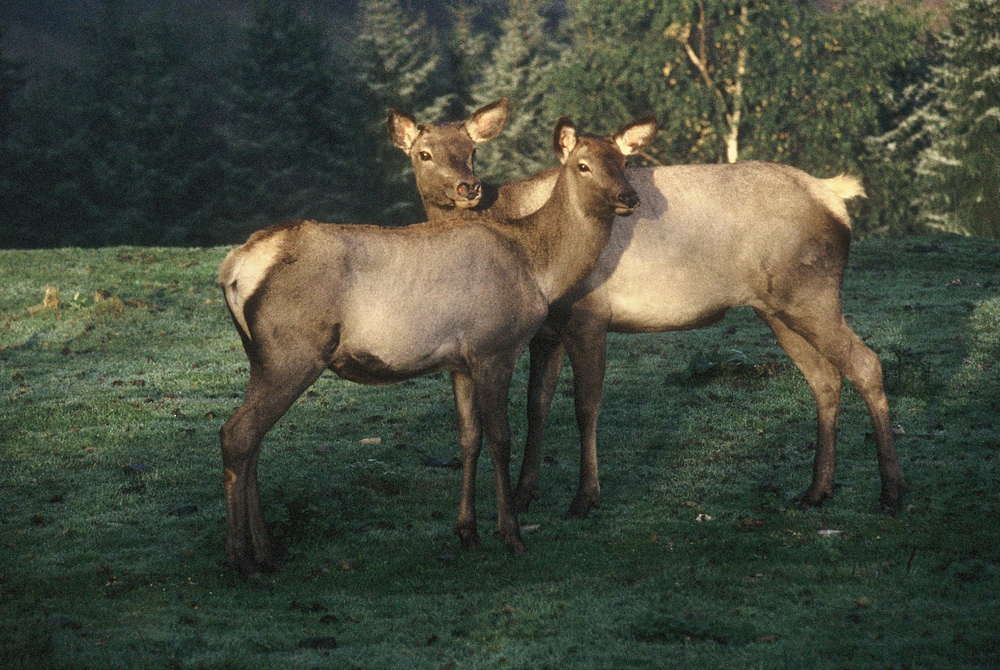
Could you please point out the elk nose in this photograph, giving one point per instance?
(629, 199)
(469, 191)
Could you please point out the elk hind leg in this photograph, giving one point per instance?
(863, 368)
(269, 395)
(836, 342)
(824, 380)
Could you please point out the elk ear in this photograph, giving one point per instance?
(636, 135)
(403, 130)
(564, 138)
(487, 122)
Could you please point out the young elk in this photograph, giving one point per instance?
(754, 234)
(380, 305)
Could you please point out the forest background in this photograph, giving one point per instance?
(173, 125)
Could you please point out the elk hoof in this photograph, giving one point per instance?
(813, 498)
(268, 555)
(522, 500)
(250, 563)
(515, 545)
(580, 507)
(249, 569)
(891, 500)
(269, 565)
(890, 503)
(469, 538)
(245, 568)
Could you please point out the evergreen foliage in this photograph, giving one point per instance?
(891, 158)
(465, 52)
(291, 109)
(121, 149)
(823, 86)
(396, 61)
(148, 142)
(800, 82)
(165, 131)
(614, 70)
(11, 83)
(520, 70)
(959, 172)
(41, 189)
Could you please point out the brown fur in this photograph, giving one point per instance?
(706, 238)
(379, 305)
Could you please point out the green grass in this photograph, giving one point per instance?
(112, 520)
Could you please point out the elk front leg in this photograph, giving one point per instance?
(470, 438)
(546, 359)
(586, 342)
(492, 386)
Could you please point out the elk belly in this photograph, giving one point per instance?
(384, 364)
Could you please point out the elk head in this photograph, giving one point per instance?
(443, 154)
(601, 161)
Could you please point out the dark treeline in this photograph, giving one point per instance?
(183, 131)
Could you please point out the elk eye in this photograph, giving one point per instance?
(424, 156)
(583, 167)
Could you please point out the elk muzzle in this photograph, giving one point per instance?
(626, 202)
(468, 194)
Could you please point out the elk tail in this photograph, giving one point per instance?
(846, 187)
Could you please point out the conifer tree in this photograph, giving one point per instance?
(465, 57)
(43, 173)
(397, 63)
(11, 82)
(519, 70)
(891, 157)
(119, 147)
(291, 107)
(959, 173)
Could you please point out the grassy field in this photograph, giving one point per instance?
(112, 520)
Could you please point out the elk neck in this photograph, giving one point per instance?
(564, 238)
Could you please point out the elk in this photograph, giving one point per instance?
(763, 235)
(443, 157)
(379, 305)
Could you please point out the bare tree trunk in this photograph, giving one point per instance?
(733, 106)
(736, 94)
